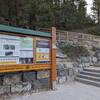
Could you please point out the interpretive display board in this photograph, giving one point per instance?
(26, 50)
(16, 50)
(42, 50)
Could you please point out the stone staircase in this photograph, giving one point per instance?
(89, 76)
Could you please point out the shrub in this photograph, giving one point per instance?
(73, 51)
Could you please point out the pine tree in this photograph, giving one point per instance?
(96, 10)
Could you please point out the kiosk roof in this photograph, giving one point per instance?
(5, 28)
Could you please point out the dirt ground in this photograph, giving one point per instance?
(68, 91)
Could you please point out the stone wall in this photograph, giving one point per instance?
(24, 81)
(79, 38)
(91, 42)
(68, 69)
(65, 70)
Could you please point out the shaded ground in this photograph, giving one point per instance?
(73, 91)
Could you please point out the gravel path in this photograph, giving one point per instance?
(72, 91)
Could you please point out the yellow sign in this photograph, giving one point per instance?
(42, 51)
(43, 74)
(42, 57)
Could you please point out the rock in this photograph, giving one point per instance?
(29, 76)
(68, 64)
(76, 70)
(4, 89)
(71, 72)
(70, 78)
(61, 80)
(75, 64)
(60, 66)
(11, 79)
(21, 87)
(44, 83)
(36, 85)
(41, 84)
(26, 86)
(87, 64)
(17, 88)
(61, 72)
(94, 59)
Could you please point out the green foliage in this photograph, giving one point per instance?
(94, 30)
(96, 10)
(74, 51)
(68, 14)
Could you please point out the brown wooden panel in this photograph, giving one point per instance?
(25, 67)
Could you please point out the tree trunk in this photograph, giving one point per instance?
(98, 16)
(9, 13)
(16, 12)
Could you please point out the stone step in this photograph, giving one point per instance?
(89, 76)
(87, 81)
(93, 78)
(90, 73)
(97, 64)
(97, 70)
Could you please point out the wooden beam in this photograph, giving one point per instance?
(53, 67)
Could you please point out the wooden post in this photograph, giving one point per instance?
(53, 67)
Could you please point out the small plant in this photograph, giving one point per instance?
(73, 51)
